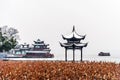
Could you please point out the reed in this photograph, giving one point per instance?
(58, 70)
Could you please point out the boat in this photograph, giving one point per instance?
(104, 54)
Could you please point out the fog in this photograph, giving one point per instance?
(49, 19)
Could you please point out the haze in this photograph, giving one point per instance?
(49, 19)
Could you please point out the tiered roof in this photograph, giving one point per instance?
(75, 45)
(25, 46)
(39, 42)
(73, 40)
(74, 35)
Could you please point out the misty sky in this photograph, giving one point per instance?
(49, 19)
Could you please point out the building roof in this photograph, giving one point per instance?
(74, 35)
(25, 44)
(42, 44)
(38, 41)
(71, 45)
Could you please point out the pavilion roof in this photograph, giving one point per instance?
(73, 44)
(74, 35)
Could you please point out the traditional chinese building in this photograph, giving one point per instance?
(20, 49)
(39, 50)
(73, 42)
(24, 47)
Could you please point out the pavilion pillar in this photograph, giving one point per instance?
(65, 54)
(73, 54)
(81, 54)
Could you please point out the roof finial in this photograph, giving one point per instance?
(73, 28)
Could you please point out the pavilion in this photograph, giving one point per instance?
(73, 42)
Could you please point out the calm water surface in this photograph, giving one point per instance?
(88, 58)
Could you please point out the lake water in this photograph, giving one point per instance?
(86, 57)
(95, 58)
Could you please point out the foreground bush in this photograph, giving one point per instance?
(56, 70)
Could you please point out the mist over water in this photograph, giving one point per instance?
(49, 19)
(90, 57)
(86, 57)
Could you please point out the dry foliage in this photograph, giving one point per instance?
(58, 70)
